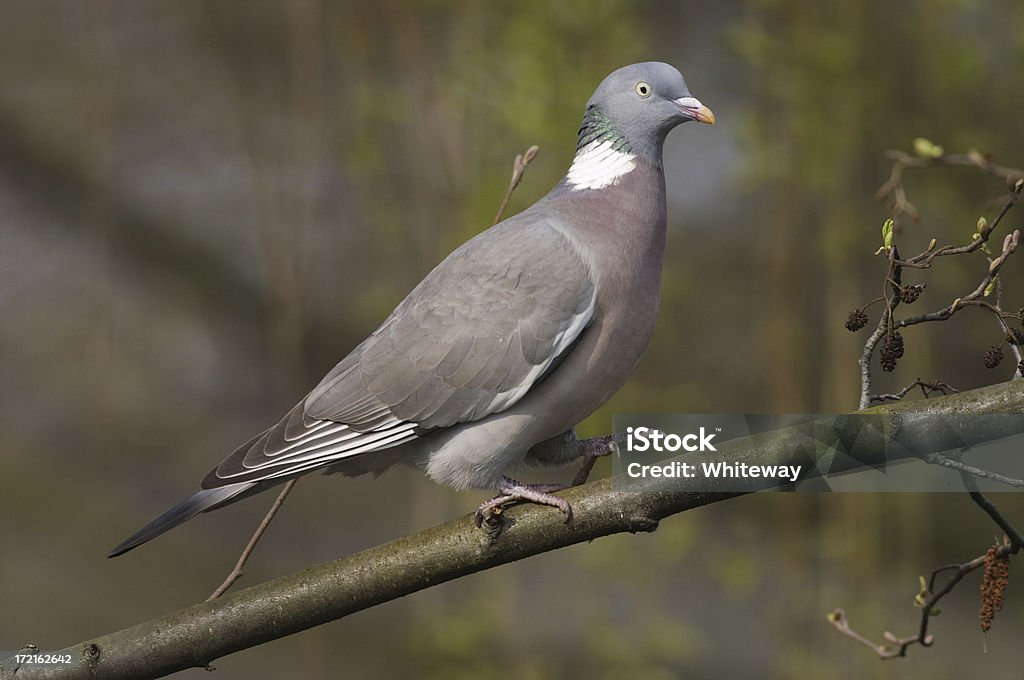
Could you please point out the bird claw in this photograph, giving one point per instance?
(491, 510)
(511, 491)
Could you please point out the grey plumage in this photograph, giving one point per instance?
(514, 338)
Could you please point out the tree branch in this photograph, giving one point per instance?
(197, 635)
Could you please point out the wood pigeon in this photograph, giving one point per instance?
(516, 337)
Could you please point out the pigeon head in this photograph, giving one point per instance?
(636, 106)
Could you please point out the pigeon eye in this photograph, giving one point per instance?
(643, 89)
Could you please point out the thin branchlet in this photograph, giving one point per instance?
(886, 338)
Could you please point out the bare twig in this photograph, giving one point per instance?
(884, 324)
(893, 187)
(236, 573)
(927, 388)
(927, 256)
(1016, 539)
(1001, 318)
(518, 168)
(975, 297)
(964, 468)
(896, 646)
(865, 359)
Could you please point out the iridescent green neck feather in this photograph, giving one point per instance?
(597, 127)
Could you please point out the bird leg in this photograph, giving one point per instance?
(511, 491)
(590, 450)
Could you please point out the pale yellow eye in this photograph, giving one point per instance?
(643, 89)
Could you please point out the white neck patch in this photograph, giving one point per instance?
(598, 165)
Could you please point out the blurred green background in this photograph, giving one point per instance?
(203, 206)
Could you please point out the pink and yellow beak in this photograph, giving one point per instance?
(694, 110)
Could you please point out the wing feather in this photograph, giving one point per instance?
(471, 340)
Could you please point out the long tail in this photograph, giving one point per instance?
(201, 501)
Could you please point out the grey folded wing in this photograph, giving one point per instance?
(482, 329)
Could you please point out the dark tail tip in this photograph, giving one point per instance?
(201, 501)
